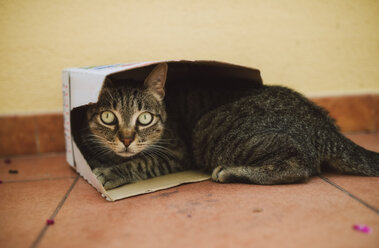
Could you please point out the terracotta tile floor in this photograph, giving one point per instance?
(320, 213)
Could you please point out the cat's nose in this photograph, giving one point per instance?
(127, 141)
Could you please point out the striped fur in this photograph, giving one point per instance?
(155, 149)
(272, 136)
(260, 135)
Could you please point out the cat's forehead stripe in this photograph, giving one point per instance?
(121, 96)
(131, 99)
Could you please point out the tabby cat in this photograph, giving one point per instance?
(266, 135)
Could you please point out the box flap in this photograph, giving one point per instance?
(155, 184)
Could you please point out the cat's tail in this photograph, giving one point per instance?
(347, 157)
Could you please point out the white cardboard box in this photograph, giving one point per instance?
(82, 86)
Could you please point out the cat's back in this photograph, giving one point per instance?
(267, 109)
(279, 98)
(283, 104)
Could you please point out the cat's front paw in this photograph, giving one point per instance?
(219, 175)
(108, 178)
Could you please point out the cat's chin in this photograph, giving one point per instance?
(126, 154)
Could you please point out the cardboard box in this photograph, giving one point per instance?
(82, 86)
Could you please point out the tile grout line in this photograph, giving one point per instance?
(32, 155)
(37, 180)
(350, 194)
(44, 229)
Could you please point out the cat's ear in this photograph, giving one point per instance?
(107, 85)
(156, 80)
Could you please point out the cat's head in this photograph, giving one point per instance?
(127, 118)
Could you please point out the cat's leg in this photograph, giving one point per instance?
(274, 158)
(112, 177)
(289, 171)
(143, 167)
(127, 172)
(263, 157)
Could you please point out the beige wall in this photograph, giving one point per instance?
(317, 47)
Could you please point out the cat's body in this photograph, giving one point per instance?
(278, 136)
(263, 135)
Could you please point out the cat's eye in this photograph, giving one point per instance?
(108, 118)
(145, 118)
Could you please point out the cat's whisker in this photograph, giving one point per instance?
(166, 154)
(162, 152)
(158, 150)
(162, 148)
(101, 152)
(160, 155)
